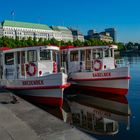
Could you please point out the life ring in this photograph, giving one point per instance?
(28, 67)
(97, 65)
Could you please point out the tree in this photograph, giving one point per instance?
(87, 43)
(35, 41)
(24, 42)
(121, 46)
(78, 43)
(69, 43)
(62, 43)
(30, 42)
(46, 42)
(129, 45)
(40, 41)
(53, 41)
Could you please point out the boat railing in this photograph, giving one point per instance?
(121, 63)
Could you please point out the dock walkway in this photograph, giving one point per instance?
(24, 121)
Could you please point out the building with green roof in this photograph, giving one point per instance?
(65, 33)
(13, 29)
(8, 23)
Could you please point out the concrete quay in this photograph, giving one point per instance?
(24, 121)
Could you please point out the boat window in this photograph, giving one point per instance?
(82, 55)
(94, 53)
(23, 69)
(97, 54)
(74, 56)
(45, 55)
(9, 58)
(88, 54)
(22, 57)
(107, 53)
(32, 56)
(18, 57)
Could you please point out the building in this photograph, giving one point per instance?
(91, 32)
(112, 32)
(77, 35)
(13, 29)
(64, 32)
(103, 36)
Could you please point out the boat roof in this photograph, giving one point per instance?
(31, 48)
(88, 47)
(4, 48)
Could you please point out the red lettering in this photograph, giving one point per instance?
(102, 74)
(37, 82)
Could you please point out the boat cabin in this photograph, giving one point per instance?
(30, 62)
(90, 58)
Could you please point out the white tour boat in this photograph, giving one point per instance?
(33, 72)
(95, 68)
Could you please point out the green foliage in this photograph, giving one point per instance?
(46, 42)
(121, 46)
(35, 41)
(69, 43)
(40, 41)
(30, 42)
(87, 43)
(78, 43)
(53, 41)
(14, 43)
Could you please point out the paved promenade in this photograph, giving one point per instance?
(24, 121)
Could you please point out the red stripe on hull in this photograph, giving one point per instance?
(119, 91)
(38, 87)
(95, 79)
(51, 101)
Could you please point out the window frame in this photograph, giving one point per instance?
(47, 58)
(75, 56)
(34, 56)
(6, 61)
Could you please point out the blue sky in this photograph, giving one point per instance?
(124, 15)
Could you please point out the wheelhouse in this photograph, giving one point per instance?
(92, 58)
(30, 62)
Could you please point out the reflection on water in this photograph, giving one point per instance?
(97, 114)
